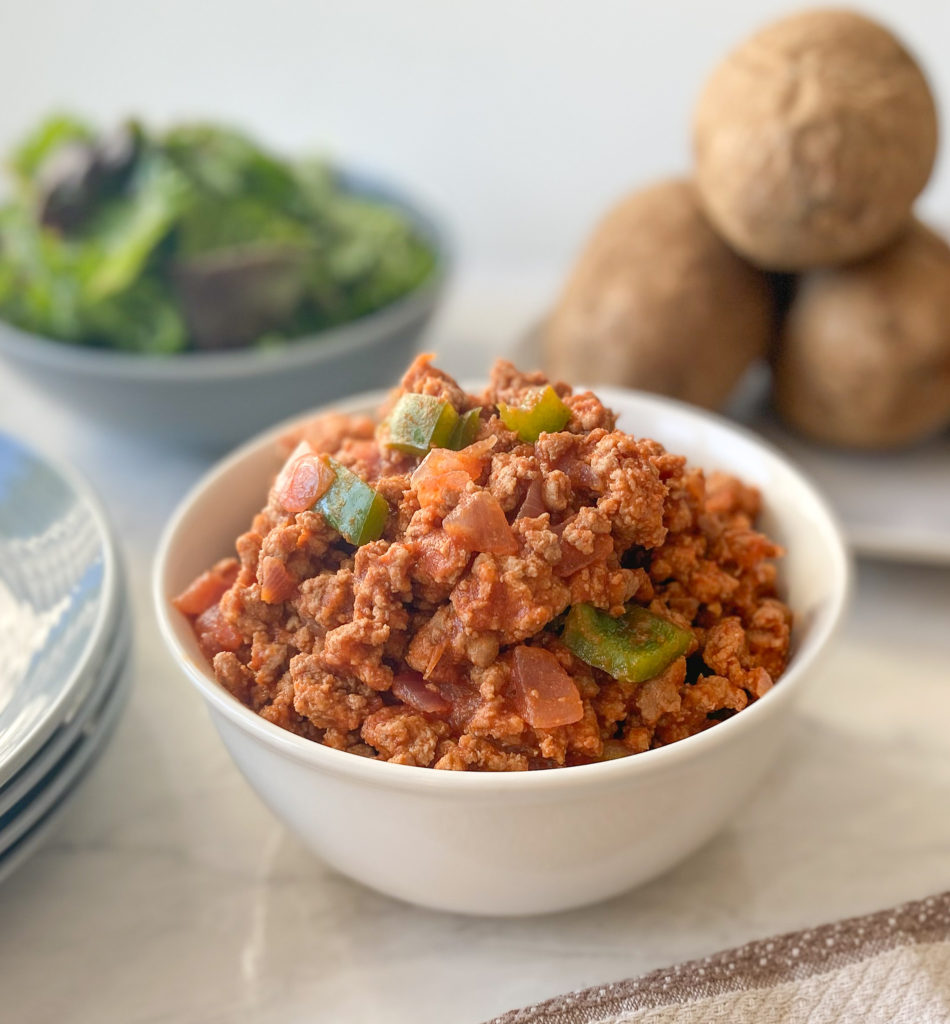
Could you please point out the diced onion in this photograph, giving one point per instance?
(478, 522)
(545, 696)
(305, 478)
(412, 689)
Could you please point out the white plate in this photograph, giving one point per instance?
(893, 505)
(59, 593)
(25, 831)
(45, 760)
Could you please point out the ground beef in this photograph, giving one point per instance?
(406, 649)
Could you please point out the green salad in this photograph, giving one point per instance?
(194, 238)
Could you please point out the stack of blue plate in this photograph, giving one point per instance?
(64, 643)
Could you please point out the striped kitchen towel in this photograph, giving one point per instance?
(891, 967)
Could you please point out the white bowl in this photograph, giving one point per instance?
(213, 400)
(523, 842)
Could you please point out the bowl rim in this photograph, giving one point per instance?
(414, 778)
(319, 346)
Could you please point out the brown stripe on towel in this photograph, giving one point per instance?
(850, 970)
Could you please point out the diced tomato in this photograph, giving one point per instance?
(443, 471)
(208, 588)
(305, 477)
(474, 456)
(412, 689)
(478, 522)
(278, 585)
(215, 633)
(433, 489)
(544, 695)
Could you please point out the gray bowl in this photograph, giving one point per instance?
(212, 400)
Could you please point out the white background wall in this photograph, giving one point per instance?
(518, 120)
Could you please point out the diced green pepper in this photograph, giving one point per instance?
(465, 430)
(632, 648)
(544, 413)
(352, 507)
(421, 422)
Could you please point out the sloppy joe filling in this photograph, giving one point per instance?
(501, 581)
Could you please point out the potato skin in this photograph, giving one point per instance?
(864, 357)
(657, 301)
(812, 139)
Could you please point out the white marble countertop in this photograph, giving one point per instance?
(170, 896)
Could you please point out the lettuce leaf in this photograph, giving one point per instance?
(194, 238)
